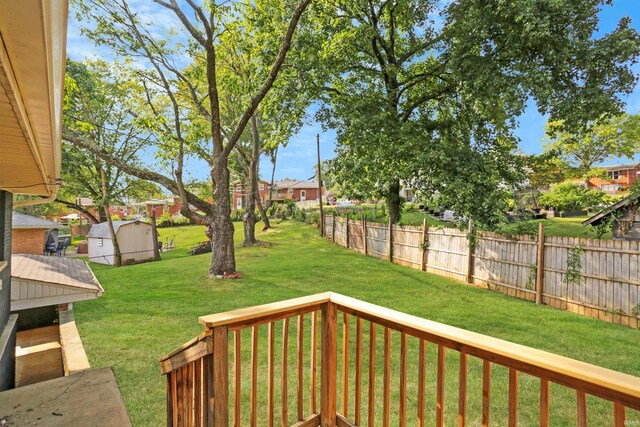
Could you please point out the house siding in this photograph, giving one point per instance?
(238, 193)
(7, 324)
(626, 178)
(28, 241)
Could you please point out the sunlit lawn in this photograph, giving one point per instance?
(149, 309)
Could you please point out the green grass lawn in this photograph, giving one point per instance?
(149, 309)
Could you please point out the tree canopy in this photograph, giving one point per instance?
(428, 92)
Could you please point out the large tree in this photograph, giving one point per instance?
(427, 92)
(188, 116)
(602, 140)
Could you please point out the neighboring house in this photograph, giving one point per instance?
(135, 239)
(240, 192)
(172, 206)
(121, 211)
(621, 177)
(626, 212)
(298, 191)
(31, 234)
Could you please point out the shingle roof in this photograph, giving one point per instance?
(295, 184)
(27, 221)
(620, 166)
(102, 230)
(51, 269)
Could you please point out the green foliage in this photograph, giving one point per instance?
(434, 104)
(574, 265)
(570, 196)
(601, 140)
(636, 310)
(532, 277)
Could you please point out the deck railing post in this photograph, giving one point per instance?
(220, 376)
(540, 264)
(329, 361)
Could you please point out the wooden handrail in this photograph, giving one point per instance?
(595, 380)
(198, 371)
(265, 313)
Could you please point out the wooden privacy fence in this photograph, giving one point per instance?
(359, 364)
(597, 278)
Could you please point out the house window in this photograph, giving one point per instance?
(615, 175)
(238, 188)
(100, 242)
(610, 188)
(239, 203)
(261, 186)
(290, 191)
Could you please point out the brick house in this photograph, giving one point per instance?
(121, 211)
(171, 206)
(30, 234)
(239, 192)
(298, 191)
(621, 177)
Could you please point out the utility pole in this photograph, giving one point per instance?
(320, 187)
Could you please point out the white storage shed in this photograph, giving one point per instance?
(134, 237)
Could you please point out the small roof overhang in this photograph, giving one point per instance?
(595, 219)
(33, 36)
(40, 281)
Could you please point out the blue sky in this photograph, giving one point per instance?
(297, 159)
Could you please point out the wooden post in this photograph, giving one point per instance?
(470, 252)
(346, 233)
(220, 376)
(333, 227)
(390, 240)
(423, 264)
(364, 234)
(154, 232)
(320, 187)
(540, 264)
(329, 361)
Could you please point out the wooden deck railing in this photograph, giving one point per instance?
(207, 386)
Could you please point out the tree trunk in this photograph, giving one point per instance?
(255, 170)
(249, 217)
(273, 173)
(117, 256)
(393, 200)
(221, 227)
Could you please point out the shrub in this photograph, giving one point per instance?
(569, 196)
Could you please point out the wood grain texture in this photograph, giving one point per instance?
(300, 354)
(486, 392)
(345, 365)
(544, 403)
(403, 381)
(440, 387)
(285, 373)
(372, 375)
(329, 362)
(358, 384)
(462, 390)
(386, 382)
(513, 397)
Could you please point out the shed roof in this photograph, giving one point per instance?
(64, 271)
(595, 219)
(101, 230)
(22, 221)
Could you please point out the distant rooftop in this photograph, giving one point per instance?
(22, 221)
(295, 184)
(620, 166)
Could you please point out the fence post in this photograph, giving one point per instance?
(346, 233)
(540, 264)
(470, 252)
(423, 263)
(364, 234)
(333, 227)
(329, 362)
(390, 240)
(220, 376)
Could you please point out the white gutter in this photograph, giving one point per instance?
(49, 199)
